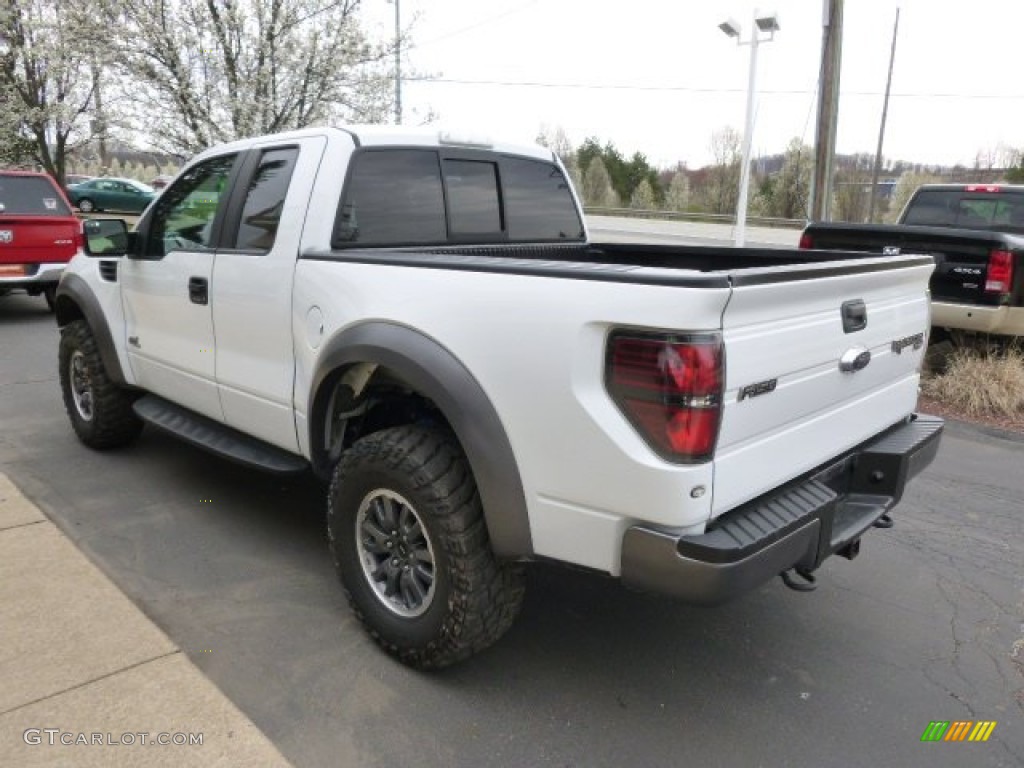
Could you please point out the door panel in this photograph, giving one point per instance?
(167, 290)
(170, 338)
(253, 282)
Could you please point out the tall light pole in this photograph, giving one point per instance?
(766, 25)
(398, 60)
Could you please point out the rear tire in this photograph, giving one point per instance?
(410, 545)
(100, 411)
(85, 205)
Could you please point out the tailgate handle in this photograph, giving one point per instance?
(855, 315)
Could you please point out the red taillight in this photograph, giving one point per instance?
(999, 278)
(983, 188)
(670, 390)
(806, 242)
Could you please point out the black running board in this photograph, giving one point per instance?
(216, 437)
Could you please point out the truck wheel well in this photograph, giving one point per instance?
(364, 398)
(67, 311)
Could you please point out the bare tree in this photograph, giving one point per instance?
(557, 141)
(202, 72)
(46, 84)
(719, 189)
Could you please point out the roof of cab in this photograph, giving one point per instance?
(396, 135)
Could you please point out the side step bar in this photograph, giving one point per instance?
(216, 437)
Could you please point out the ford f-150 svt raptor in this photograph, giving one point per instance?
(421, 321)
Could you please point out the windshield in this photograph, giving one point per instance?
(31, 195)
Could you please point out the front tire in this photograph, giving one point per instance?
(100, 411)
(410, 545)
(85, 205)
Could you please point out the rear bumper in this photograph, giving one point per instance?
(798, 526)
(972, 317)
(36, 276)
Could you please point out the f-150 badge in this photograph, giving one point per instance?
(753, 390)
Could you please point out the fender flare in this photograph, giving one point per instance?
(74, 290)
(436, 373)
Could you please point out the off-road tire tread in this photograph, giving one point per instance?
(114, 423)
(486, 593)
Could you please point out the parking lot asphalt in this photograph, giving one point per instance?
(926, 625)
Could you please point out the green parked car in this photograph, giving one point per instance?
(109, 194)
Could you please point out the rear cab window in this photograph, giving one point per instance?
(31, 196)
(995, 209)
(425, 196)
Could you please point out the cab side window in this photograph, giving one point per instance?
(183, 218)
(264, 199)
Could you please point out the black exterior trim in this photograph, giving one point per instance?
(217, 438)
(562, 261)
(569, 270)
(797, 526)
(803, 272)
(435, 373)
(73, 288)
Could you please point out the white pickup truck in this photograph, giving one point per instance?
(420, 320)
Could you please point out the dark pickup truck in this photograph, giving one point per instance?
(975, 233)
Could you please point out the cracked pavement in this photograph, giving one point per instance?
(927, 624)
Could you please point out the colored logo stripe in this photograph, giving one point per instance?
(982, 731)
(958, 730)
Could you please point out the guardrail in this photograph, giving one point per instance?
(709, 218)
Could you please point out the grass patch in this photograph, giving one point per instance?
(980, 382)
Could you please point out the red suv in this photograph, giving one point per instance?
(38, 233)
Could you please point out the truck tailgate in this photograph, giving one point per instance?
(787, 405)
(38, 239)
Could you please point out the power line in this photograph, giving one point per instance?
(694, 89)
(481, 23)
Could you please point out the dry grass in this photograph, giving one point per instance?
(978, 382)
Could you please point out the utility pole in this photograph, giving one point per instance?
(881, 128)
(828, 109)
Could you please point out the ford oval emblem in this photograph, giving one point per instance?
(854, 360)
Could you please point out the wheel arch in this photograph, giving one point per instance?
(76, 301)
(433, 372)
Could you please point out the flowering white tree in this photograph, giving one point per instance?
(47, 51)
(597, 186)
(200, 72)
(643, 196)
(678, 196)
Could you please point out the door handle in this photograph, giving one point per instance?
(855, 316)
(198, 290)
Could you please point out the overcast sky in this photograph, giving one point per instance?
(658, 76)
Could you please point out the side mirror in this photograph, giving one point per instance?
(106, 237)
